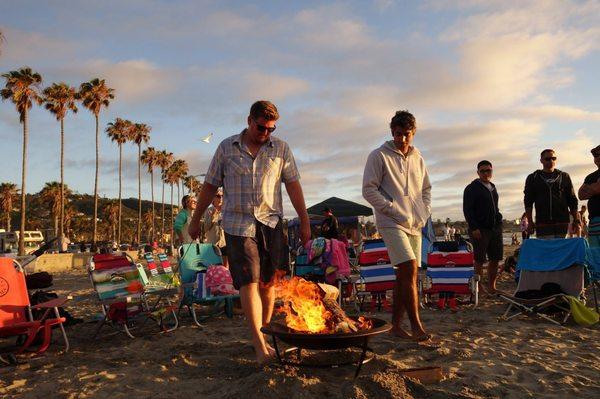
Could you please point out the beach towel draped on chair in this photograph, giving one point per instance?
(542, 262)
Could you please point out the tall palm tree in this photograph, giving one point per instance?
(119, 132)
(140, 133)
(8, 192)
(165, 159)
(70, 214)
(150, 159)
(51, 194)
(60, 98)
(148, 220)
(192, 184)
(181, 170)
(171, 177)
(22, 88)
(95, 95)
(111, 214)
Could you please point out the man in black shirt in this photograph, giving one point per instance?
(551, 190)
(329, 226)
(480, 206)
(590, 190)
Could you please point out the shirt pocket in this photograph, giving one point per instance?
(273, 166)
(234, 167)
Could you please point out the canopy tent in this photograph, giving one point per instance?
(340, 208)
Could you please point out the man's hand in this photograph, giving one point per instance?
(476, 234)
(305, 231)
(194, 230)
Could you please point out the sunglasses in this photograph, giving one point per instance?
(262, 128)
(485, 171)
(550, 159)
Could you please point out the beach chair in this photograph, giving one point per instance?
(194, 261)
(316, 272)
(16, 316)
(548, 271)
(450, 274)
(124, 300)
(593, 262)
(377, 275)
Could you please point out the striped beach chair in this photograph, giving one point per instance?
(125, 302)
(377, 275)
(450, 274)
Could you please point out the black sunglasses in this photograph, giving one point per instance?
(485, 170)
(262, 128)
(550, 159)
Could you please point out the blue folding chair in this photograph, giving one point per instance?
(193, 259)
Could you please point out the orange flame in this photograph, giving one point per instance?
(304, 308)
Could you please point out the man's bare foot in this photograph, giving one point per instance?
(400, 333)
(420, 335)
(264, 359)
(270, 350)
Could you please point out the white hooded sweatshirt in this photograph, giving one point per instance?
(398, 188)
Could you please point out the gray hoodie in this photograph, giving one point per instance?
(398, 188)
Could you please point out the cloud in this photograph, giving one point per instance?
(563, 112)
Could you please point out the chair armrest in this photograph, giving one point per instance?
(53, 303)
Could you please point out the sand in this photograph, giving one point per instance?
(481, 358)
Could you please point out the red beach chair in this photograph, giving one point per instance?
(16, 318)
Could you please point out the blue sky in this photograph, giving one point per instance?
(495, 80)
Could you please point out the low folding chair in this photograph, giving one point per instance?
(195, 259)
(558, 261)
(16, 317)
(124, 300)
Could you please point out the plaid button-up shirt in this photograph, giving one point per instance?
(251, 186)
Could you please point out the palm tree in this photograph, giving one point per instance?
(140, 133)
(70, 213)
(171, 177)
(22, 88)
(150, 158)
(119, 132)
(181, 170)
(60, 98)
(192, 184)
(148, 220)
(165, 159)
(8, 192)
(111, 214)
(51, 194)
(95, 95)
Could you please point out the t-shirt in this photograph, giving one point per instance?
(550, 178)
(488, 185)
(594, 202)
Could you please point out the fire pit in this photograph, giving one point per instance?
(335, 341)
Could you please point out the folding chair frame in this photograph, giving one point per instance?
(534, 307)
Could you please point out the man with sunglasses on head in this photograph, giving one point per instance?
(251, 166)
(590, 191)
(551, 191)
(396, 184)
(480, 207)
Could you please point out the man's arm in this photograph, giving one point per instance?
(372, 178)
(426, 190)
(294, 190)
(528, 201)
(572, 199)
(205, 197)
(468, 209)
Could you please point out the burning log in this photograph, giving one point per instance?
(313, 308)
(340, 322)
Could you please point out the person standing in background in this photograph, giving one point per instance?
(590, 191)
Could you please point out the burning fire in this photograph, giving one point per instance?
(309, 308)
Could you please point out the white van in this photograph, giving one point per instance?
(33, 240)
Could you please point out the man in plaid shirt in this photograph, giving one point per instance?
(250, 167)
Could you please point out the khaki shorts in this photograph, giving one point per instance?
(401, 246)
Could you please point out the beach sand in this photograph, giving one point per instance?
(480, 356)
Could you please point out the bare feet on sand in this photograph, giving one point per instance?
(400, 333)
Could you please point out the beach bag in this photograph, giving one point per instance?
(219, 281)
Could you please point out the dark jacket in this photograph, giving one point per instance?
(552, 201)
(480, 206)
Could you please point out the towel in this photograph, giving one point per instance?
(582, 315)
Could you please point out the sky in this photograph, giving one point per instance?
(496, 80)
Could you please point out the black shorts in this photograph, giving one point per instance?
(254, 259)
(490, 244)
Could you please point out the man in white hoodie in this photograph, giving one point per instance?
(396, 184)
